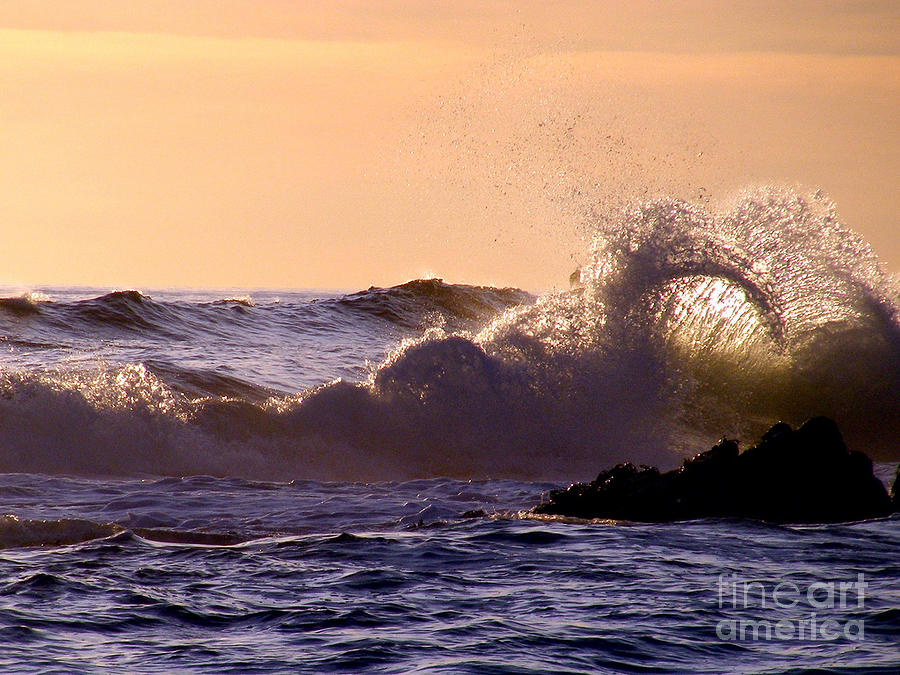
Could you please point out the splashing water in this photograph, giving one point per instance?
(688, 324)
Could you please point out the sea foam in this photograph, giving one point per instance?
(689, 323)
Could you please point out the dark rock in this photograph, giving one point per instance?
(806, 475)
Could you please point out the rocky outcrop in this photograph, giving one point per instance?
(805, 475)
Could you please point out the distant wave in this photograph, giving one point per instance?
(414, 304)
(411, 303)
(244, 300)
(128, 310)
(22, 305)
(16, 533)
(689, 324)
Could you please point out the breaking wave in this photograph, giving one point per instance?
(686, 325)
(414, 304)
(411, 304)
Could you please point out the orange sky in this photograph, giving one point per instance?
(342, 144)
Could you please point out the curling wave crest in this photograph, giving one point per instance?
(686, 325)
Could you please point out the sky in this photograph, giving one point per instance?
(349, 143)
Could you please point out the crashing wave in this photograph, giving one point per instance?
(687, 323)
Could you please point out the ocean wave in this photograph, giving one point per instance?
(128, 310)
(243, 300)
(16, 533)
(412, 303)
(687, 325)
(23, 305)
(205, 382)
(26, 533)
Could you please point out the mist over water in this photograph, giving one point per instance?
(689, 323)
(693, 317)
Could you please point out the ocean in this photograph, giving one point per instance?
(234, 480)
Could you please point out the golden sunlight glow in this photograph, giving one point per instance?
(352, 143)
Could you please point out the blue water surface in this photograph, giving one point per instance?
(217, 575)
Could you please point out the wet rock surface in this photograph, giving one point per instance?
(805, 475)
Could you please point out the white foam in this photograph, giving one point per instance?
(691, 324)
